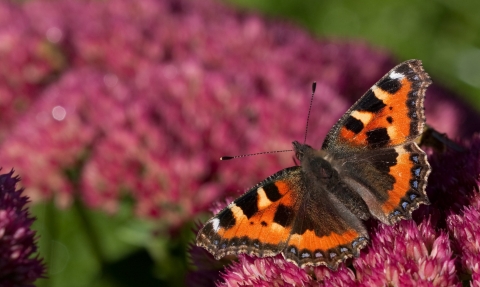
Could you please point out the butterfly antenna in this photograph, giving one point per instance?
(314, 87)
(258, 153)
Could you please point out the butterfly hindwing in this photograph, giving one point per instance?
(325, 231)
(391, 181)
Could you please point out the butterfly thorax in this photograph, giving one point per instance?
(320, 174)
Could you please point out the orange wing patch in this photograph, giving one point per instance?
(387, 126)
(310, 241)
(309, 249)
(261, 225)
(395, 116)
(410, 173)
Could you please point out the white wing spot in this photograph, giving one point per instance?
(392, 132)
(379, 93)
(394, 75)
(216, 224)
(364, 117)
(263, 200)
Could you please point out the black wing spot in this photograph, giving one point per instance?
(383, 162)
(354, 125)
(227, 220)
(248, 203)
(389, 119)
(389, 85)
(271, 190)
(283, 215)
(263, 223)
(378, 137)
(370, 103)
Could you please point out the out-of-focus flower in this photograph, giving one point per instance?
(153, 92)
(19, 266)
(28, 60)
(454, 179)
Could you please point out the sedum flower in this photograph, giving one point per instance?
(465, 230)
(407, 254)
(272, 271)
(19, 264)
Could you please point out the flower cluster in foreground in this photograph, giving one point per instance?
(465, 229)
(19, 264)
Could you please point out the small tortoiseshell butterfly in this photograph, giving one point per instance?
(369, 165)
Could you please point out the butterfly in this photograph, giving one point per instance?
(369, 166)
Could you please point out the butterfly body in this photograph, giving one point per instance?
(368, 166)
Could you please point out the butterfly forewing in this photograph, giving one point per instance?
(390, 113)
(259, 222)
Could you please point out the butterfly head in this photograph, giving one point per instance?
(301, 150)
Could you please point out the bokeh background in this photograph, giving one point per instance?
(114, 113)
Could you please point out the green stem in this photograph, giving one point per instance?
(90, 230)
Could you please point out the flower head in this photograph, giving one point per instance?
(465, 230)
(271, 271)
(19, 266)
(407, 254)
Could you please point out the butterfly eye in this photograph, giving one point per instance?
(299, 155)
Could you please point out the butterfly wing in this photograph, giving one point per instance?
(259, 222)
(310, 227)
(373, 146)
(391, 181)
(325, 230)
(388, 114)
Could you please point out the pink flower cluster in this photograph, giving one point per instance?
(406, 254)
(143, 109)
(19, 264)
(28, 61)
(465, 230)
(403, 255)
